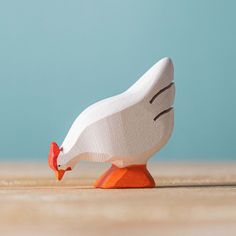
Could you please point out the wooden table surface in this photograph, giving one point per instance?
(190, 199)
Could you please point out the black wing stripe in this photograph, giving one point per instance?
(160, 92)
(162, 113)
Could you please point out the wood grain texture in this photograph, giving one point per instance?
(191, 199)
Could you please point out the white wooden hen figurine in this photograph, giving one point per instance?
(125, 130)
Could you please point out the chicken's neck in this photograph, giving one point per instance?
(71, 158)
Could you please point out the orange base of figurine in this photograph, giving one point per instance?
(134, 176)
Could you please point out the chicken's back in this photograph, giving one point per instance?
(96, 112)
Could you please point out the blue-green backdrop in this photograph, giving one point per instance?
(57, 57)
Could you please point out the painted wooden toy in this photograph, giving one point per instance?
(124, 130)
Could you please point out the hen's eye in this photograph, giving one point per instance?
(61, 149)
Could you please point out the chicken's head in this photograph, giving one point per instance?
(52, 160)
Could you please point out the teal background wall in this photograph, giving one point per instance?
(57, 57)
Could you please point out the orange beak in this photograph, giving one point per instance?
(59, 174)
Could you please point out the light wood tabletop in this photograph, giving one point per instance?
(190, 199)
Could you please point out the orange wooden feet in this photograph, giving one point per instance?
(134, 176)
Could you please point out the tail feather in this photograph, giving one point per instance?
(155, 79)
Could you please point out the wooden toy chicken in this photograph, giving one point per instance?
(124, 130)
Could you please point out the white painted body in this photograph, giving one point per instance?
(122, 129)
